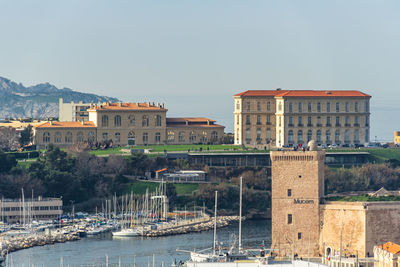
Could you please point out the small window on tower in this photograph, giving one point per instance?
(289, 218)
(289, 192)
(298, 235)
(299, 176)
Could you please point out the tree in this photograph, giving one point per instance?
(26, 136)
(8, 139)
(7, 162)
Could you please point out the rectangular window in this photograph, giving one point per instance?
(247, 119)
(298, 235)
(258, 119)
(319, 107)
(268, 106)
(309, 124)
(328, 121)
(268, 119)
(337, 106)
(347, 106)
(258, 106)
(290, 121)
(319, 121)
(289, 192)
(300, 107)
(290, 107)
(366, 108)
(289, 219)
(328, 107)
(248, 106)
(300, 121)
(356, 106)
(309, 107)
(238, 105)
(337, 121)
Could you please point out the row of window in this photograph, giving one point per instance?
(248, 120)
(328, 137)
(328, 121)
(325, 107)
(131, 137)
(259, 105)
(32, 208)
(131, 121)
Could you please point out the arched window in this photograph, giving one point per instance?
(214, 136)
(91, 137)
(171, 136)
(68, 138)
(203, 138)
(157, 138)
(158, 120)
(309, 136)
(145, 121)
(347, 136)
(328, 136)
(337, 136)
(290, 136)
(181, 136)
(145, 138)
(300, 137)
(117, 121)
(117, 137)
(318, 135)
(192, 137)
(356, 136)
(79, 137)
(132, 120)
(131, 138)
(104, 121)
(57, 137)
(46, 137)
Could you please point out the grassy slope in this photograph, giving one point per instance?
(378, 155)
(139, 188)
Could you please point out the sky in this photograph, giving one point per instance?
(195, 55)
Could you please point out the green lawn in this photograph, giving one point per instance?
(139, 188)
(171, 148)
(25, 164)
(115, 150)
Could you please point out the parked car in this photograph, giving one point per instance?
(333, 146)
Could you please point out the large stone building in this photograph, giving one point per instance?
(129, 124)
(293, 117)
(73, 111)
(304, 224)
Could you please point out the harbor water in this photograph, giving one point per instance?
(98, 250)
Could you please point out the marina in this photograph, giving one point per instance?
(92, 251)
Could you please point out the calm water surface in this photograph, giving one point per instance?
(92, 251)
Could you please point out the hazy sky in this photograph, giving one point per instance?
(194, 55)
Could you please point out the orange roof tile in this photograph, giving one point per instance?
(304, 93)
(189, 119)
(260, 93)
(322, 93)
(66, 124)
(127, 106)
(391, 247)
(200, 125)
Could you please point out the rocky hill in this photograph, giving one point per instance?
(38, 101)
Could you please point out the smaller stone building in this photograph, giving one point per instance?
(387, 255)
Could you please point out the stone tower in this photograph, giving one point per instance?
(297, 188)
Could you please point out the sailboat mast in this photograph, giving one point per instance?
(215, 222)
(240, 215)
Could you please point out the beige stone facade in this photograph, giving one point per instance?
(129, 124)
(297, 189)
(302, 220)
(387, 255)
(291, 118)
(397, 137)
(73, 111)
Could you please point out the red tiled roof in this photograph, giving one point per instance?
(188, 119)
(260, 93)
(304, 93)
(199, 125)
(128, 106)
(391, 247)
(323, 93)
(66, 124)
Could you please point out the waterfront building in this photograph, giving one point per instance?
(387, 255)
(279, 118)
(16, 210)
(129, 124)
(397, 137)
(304, 223)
